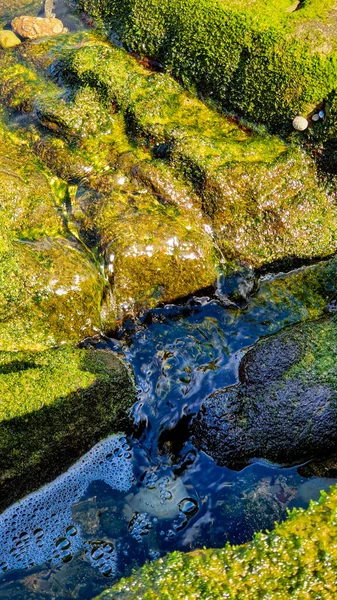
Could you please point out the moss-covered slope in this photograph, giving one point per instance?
(54, 405)
(297, 561)
(268, 60)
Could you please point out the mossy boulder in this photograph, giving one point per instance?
(296, 561)
(54, 406)
(262, 195)
(269, 61)
(285, 407)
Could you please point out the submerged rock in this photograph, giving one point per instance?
(32, 28)
(285, 407)
(161, 500)
(54, 406)
(14, 8)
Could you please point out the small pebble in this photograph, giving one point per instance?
(300, 123)
(315, 117)
(321, 114)
(8, 39)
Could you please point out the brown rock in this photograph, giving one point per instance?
(36, 27)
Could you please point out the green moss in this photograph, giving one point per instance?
(296, 561)
(260, 59)
(54, 406)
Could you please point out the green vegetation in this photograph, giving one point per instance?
(54, 406)
(296, 561)
(265, 60)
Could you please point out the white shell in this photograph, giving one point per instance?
(300, 123)
(315, 117)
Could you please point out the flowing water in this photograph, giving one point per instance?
(136, 499)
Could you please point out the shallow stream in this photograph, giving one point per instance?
(135, 499)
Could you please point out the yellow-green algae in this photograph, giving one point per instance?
(50, 287)
(264, 59)
(54, 405)
(262, 195)
(297, 561)
(221, 190)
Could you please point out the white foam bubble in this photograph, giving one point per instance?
(40, 527)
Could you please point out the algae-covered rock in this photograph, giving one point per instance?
(262, 195)
(284, 409)
(296, 561)
(54, 406)
(155, 251)
(50, 287)
(268, 60)
(50, 294)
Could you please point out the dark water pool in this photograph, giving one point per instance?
(132, 500)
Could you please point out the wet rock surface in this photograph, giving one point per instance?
(284, 408)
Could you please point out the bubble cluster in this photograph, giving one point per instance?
(102, 556)
(140, 526)
(40, 527)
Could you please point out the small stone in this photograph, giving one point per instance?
(315, 117)
(300, 123)
(8, 39)
(321, 114)
(36, 27)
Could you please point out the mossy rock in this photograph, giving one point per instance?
(262, 195)
(156, 251)
(150, 225)
(296, 561)
(55, 405)
(267, 60)
(285, 407)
